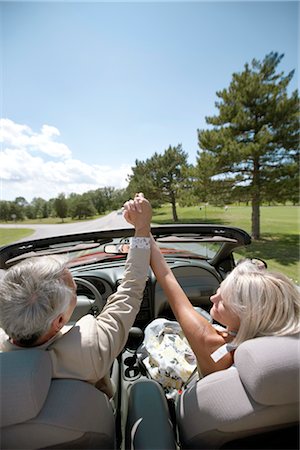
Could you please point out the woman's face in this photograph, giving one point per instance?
(221, 313)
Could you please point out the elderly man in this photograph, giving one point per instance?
(38, 296)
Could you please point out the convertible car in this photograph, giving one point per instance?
(252, 405)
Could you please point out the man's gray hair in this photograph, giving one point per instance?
(32, 294)
(267, 303)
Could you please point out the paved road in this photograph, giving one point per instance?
(112, 220)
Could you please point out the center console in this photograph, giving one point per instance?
(145, 421)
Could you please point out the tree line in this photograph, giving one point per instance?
(249, 153)
(80, 206)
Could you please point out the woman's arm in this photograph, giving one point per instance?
(202, 336)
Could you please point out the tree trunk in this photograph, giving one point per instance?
(174, 212)
(255, 218)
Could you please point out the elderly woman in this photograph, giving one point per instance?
(250, 302)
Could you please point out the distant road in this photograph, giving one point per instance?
(112, 220)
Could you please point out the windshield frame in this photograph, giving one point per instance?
(229, 238)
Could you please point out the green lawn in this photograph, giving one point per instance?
(279, 243)
(8, 235)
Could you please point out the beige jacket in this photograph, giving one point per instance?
(87, 350)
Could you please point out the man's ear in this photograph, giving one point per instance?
(58, 323)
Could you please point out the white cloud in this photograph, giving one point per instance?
(24, 173)
(47, 130)
(22, 137)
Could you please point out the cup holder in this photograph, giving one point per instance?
(130, 361)
(132, 371)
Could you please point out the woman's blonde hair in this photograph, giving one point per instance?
(267, 303)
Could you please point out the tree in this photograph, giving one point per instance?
(117, 198)
(4, 211)
(161, 177)
(255, 132)
(40, 208)
(82, 206)
(108, 198)
(60, 206)
(143, 180)
(16, 211)
(21, 201)
(99, 200)
(29, 212)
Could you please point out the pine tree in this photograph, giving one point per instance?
(256, 133)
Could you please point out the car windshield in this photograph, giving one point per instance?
(204, 250)
(205, 242)
(170, 247)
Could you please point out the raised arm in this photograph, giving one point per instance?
(202, 336)
(118, 315)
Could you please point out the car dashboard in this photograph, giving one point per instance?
(198, 279)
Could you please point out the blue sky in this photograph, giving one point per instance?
(89, 87)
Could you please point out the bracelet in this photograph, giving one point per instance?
(140, 242)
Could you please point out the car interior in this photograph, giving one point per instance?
(252, 405)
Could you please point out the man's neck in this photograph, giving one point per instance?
(40, 341)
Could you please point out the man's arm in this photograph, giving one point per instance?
(119, 313)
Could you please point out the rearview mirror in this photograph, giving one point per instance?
(116, 249)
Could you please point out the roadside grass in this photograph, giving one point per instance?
(51, 220)
(8, 235)
(279, 243)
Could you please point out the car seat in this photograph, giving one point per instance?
(253, 404)
(38, 412)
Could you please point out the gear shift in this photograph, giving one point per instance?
(135, 338)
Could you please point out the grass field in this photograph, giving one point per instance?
(279, 243)
(8, 235)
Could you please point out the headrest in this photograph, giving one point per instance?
(25, 380)
(269, 368)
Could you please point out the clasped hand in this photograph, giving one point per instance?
(138, 212)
